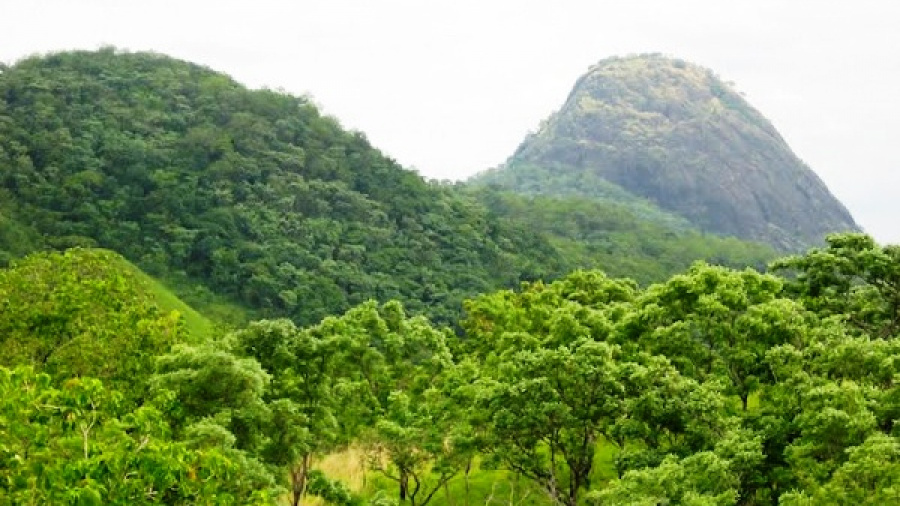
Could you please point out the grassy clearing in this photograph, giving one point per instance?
(485, 486)
(481, 486)
(348, 466)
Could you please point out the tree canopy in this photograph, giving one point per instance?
(718, 386)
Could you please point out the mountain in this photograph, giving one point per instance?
(254, 204)
(651, 131)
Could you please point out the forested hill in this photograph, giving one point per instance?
(257, 197)
(254, 193)
(651, 128)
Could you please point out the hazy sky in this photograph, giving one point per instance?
(452, 87)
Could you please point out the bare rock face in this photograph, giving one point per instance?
(673, 133)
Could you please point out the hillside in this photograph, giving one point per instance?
(253, 194)
(649, 131)
(624, 239)
(90, 312)
(250, 196)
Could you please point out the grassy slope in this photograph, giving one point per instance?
(199, 326)
(221, 310)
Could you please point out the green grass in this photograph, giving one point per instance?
(485, 487)
(224, 312)
(198, 326)
(482, 486)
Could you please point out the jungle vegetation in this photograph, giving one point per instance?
(212, 295)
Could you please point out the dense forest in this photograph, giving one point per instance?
(212, 295)
(255, 198)
(715, 387)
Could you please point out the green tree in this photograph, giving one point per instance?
(716, 322)
(870, 476)
(79, 313)
(79, 444)
(540, 315)
(702, 479)
(549, 390)
(302, 368)
(834, 390)
(217, 401)
(390, 379)
(545, 412)
(852, 277)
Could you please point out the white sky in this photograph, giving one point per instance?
(450, 87)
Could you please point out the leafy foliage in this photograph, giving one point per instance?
(852, 277)
(393, 365)
(77, 444)
(79, 313)
(715, 322)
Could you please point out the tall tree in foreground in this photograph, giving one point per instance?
(549, 391)
(303, 422)
(78, 443)
(390, 376)
(217, 402)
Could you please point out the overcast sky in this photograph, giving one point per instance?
(450, 87)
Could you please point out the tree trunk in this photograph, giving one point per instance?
(404, 485)
(299, 477)
(447, 495)
(468, 470)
